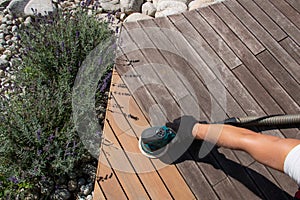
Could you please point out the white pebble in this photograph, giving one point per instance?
(89, 197)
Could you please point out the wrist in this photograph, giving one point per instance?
(195, 130)
(199, 130)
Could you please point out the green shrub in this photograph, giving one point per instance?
(37, 134)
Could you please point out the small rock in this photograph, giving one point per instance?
(5, 11)
(2, 42)
(3, 57)
(3, 26)
(4, 20)
(14, 39)
(90, 12)
(62, 194)
(131, 6)
(2, 49)
(9, 17)
(9, 42)
(14, 29)
(7, 52)
(166, 8)
(27, 21)
(72, 185)
(86, 189)
(21, 19)
(137, 16)
(44, 8)
(9, 22)
(66, 4)
(89, 197)
(72, 175)
(2, 74)
(148, 9)
(8, 37)
(81, 182)
(3, 63)
(122, 16)
(199, 4)
(5, 30)
(1, 35)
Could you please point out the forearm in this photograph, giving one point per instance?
(267, 149)
(222, 135)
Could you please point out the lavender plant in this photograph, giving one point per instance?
(37, 134)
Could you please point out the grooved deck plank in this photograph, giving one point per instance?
(250, 49)
(232, 108)
(238, 28)
(169, 174)
(292, 48)
(238, 174)
(271, 44)
(285, 79)
(166, 103)
(227, 190)
(250, 60)
(264, 180)
(107, 180)
(295, 4)
(288, 11)
(214, 176)
(150, 178)
(263, 19)
(212, 38)
(266, 101)
(127, 177)
(280, 19)
(98, 194)
(265, 97)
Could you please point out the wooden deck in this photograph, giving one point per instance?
(232, 59)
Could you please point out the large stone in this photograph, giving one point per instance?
(183, 1)
(44, 7)
(199, 4)
(16, 7)
(148, 9)
(130, 6)
(110, 7)
(166, 8)
(137, 16)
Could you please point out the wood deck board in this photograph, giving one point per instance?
(238, 28)
(280, 19)
(288, 11)
(295, 4)
(190, 178)
(263, 19)
(250, 49)
(169, 174)
(283, 57)
(283, 77)
(292, 48)
(245, 158)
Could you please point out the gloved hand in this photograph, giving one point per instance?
(183, 126)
